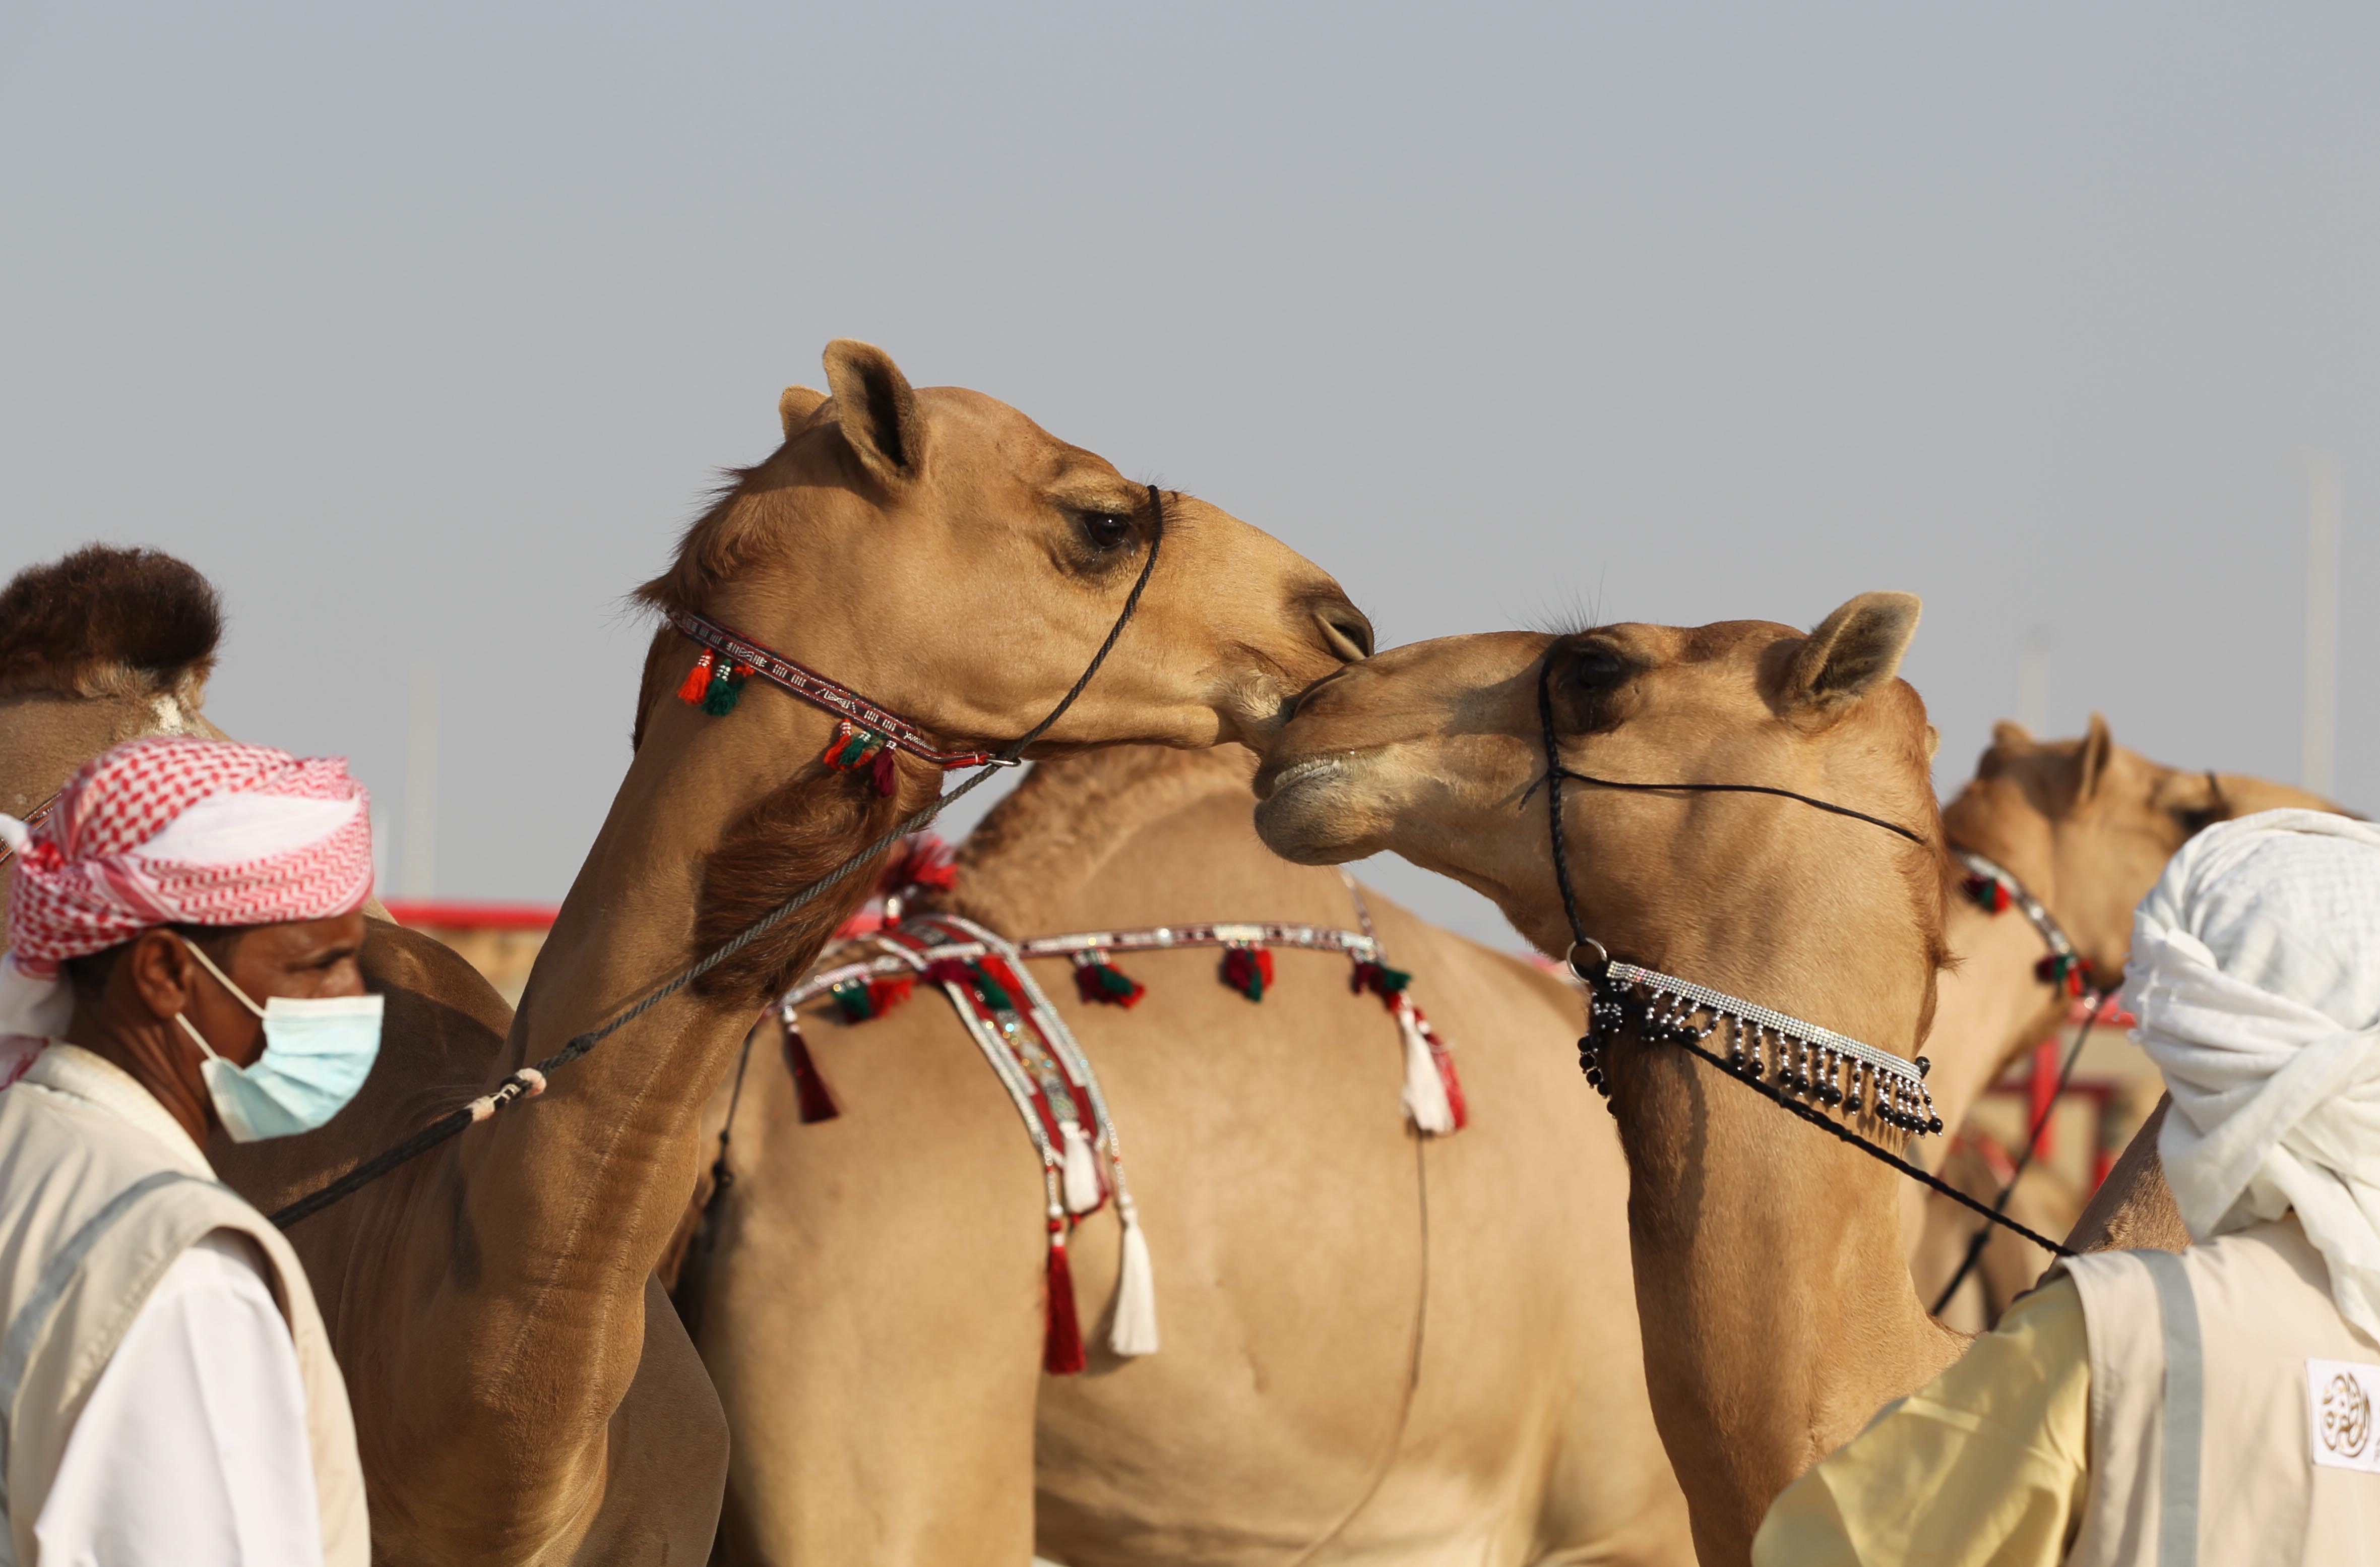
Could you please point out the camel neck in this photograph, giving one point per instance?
(1772, 1251)
(1040, 846)
(570, 1200)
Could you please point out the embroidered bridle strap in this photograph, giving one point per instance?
(529, 1080)
(819, 690)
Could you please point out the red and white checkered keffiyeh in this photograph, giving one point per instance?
(173, 829)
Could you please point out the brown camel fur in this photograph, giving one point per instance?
(2087, 826)
(1376, 1347)
(1769, 1258)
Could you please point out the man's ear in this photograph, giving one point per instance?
(877, 410)
(797, 405)
(2091, 761)
(1853, 651)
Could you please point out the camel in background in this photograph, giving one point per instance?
(1768, 1257)
(1376, 1346)
(2085, 826)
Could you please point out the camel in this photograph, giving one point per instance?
(1770, 1255)
(954, 563)
(1376, 1346)
(2085, 826)
(523, 1392)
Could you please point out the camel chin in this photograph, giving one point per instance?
(1323, 810)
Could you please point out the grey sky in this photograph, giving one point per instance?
(421, 329)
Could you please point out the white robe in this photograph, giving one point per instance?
(193, 1450)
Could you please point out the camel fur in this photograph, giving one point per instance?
(1376, 1347)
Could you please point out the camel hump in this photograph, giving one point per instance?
(109, 622)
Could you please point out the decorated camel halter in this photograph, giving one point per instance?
(529, 1081)
(1781, 1057)
(1049, 1080)
(866, 735)
(1994, 888)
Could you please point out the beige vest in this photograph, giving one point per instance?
(100, 1191)
(2232, 1409)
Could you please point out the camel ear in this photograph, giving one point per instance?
(1933, 742)
(1853, 651)
(877, 409)
(2091, 761)
(797, 405)
(2009, 737)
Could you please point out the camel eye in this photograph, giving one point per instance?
(1107, 530)
(1596, 668)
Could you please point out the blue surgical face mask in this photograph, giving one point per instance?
(317, 1054)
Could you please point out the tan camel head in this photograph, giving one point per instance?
(1435, 750)
(927, 532)
(2089, 824)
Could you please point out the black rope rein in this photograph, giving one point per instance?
(1982, 1234)
(1556, 774)
(521, 1083)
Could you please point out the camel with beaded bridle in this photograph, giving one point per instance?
(1771, 1254)
(1376, 1345)
(2085, 827)
(1767, 1255)
(523, 1390)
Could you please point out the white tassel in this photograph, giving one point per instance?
(1135, 1304)
(1426, 1099)
(1082, 1169)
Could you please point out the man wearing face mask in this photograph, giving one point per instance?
(182, 933)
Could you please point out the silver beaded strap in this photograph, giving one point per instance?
(1834, 1067)
(2036, 912)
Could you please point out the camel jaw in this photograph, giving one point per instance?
(1320, 810)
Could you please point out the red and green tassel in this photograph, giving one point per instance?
(1248, 969)
(2061, 969)
(860, 1000)
(1990, 893)
(1380, 979)
(1097, 979)
(951, 971)
(854, 748)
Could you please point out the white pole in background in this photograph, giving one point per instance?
(420, 840)
(2032, 681)
(2317, 753)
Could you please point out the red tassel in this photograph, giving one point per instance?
(697, 683)
(1061, 1344)
(809, 1088)
(883, 774)
(886, 994)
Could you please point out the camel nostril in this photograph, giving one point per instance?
(1346, 632)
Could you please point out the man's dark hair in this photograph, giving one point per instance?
(88, 974)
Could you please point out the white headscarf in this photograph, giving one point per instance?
(2255, 975)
